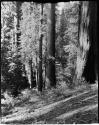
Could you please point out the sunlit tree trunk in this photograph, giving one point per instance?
(51, 78)
(75, 82)
(29, 72)
(87, 54)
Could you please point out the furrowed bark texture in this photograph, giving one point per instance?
(87, 63)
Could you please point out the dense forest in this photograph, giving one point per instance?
(47, 46)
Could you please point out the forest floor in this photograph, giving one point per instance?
(55, 106)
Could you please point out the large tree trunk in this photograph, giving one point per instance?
(91, 68)
(40, 82)
(51, 78)
(17, 61)
(87, 55)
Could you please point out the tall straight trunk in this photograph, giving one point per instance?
(51, 78)
(18, 10)
(18, 34)
(36, 71)
(40, 82)
(45, 65)
(31, 72)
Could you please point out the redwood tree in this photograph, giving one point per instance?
(51, 78)
(87, 63)
(40, 82)
(91, 67)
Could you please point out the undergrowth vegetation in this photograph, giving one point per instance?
(33, 97)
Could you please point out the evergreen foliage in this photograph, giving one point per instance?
(24, 30)
(67, 41)
(11, 66)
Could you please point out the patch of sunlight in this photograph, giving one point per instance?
(60, 6)
(89, 98)
(34, 99)
(80, 64)
(71, 113)
(3, 101)
(20, 109)
(17, 112)
(9, 100)
(90, 108)
(94, 86)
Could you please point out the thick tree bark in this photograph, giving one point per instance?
(40, 82)
(75, 82)
(87, 55)
(83, 38)
(91, 68)
(51, 78)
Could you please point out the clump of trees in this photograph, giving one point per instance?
(11, 66)
(41, 45)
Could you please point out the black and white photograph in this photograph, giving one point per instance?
(49, 62)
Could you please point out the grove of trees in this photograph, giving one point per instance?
(42, 46)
